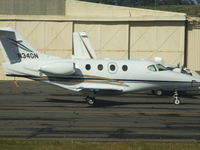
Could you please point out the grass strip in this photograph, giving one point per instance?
(78, 145)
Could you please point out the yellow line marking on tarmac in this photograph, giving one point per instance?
(97, 112)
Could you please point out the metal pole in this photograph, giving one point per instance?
(186, 45)
(129, 40)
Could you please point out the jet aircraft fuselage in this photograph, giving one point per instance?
(90, 76)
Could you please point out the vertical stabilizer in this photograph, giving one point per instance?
(15, 48)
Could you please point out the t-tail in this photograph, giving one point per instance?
(24, 61)
(82, 47)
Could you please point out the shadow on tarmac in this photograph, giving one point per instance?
(105, 103)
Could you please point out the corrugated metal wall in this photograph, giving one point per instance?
(193, 59)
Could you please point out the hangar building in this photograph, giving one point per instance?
(115, 32)
(193, 43)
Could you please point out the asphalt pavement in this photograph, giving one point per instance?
(41, 111)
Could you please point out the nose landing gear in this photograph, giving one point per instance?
(176, 99)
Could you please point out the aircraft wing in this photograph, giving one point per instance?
(105, 89)
(82, 47)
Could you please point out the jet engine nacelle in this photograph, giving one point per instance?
(58, 68)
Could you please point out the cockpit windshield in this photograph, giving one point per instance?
(157, 67)
(152, 68)
(161, 67)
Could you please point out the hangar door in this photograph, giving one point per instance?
(157, 39)
(50, 37)
(109, 40)
(194, 47)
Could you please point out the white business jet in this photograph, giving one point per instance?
(84, 73)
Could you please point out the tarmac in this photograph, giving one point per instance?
(40, 111)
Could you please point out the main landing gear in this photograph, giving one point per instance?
(176, 99)
(90, 100)
(157, 92)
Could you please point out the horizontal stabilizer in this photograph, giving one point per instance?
(82, 47)
(102, 87)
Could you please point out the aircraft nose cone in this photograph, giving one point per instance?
(190, 81)
(195, 83)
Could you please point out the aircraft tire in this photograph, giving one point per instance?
(177, 101)
(90, 100)
(159, 92)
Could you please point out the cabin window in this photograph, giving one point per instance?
(88, 67)
(124, 67)
(152, 68)
(100, 67)
(112, 67)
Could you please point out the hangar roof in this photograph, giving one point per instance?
(86, 11)
(93, 11)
